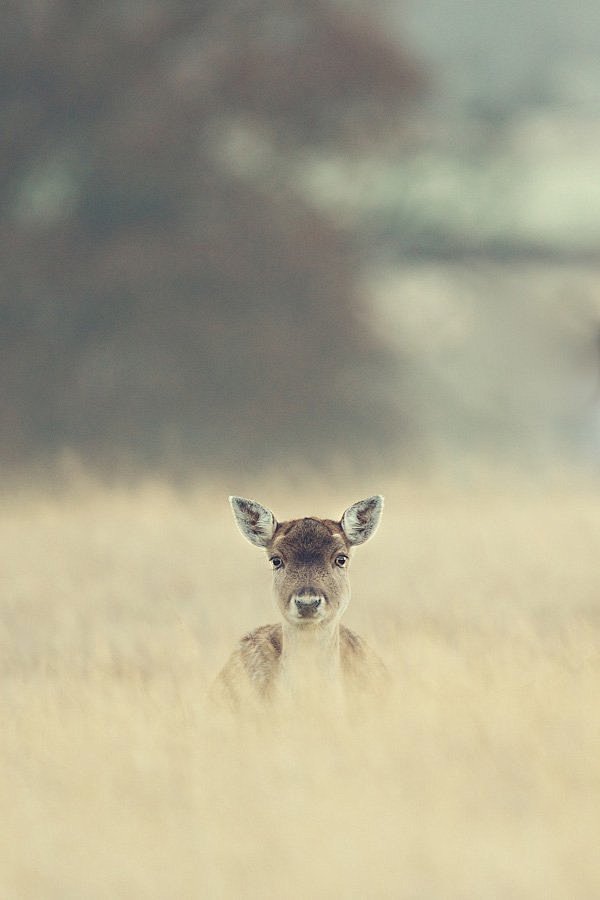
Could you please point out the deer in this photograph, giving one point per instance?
(309, 653)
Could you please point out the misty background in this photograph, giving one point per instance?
(244, 234)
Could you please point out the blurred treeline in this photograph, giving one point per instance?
(168, 294)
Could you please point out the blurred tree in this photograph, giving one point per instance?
(167, 291)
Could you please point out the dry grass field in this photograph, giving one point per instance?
(480, 778)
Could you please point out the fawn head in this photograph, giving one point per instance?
(309, 556)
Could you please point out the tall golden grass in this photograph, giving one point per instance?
(479, 779)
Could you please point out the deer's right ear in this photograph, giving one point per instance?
(256, 523)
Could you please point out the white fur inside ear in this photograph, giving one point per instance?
(360, 521)
(256, 522)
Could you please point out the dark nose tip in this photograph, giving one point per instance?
(307, 604)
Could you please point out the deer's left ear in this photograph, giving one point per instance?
(360, 521)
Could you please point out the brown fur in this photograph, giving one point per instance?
(253, 669)
(310, 650)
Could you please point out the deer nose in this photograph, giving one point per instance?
(306, 604)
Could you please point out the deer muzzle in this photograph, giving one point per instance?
(307, 604)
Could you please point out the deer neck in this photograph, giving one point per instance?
(310, 655)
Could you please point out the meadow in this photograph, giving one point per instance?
(479, 778)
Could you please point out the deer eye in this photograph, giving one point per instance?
(341, 560)
(277, 562)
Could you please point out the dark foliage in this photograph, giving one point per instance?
(159, 301)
